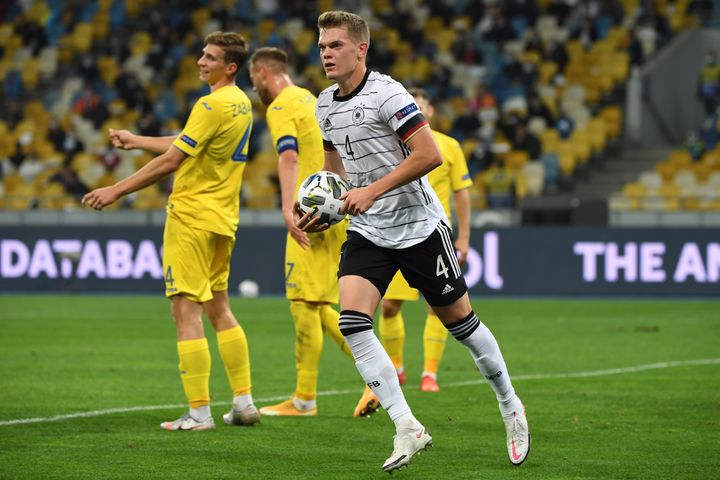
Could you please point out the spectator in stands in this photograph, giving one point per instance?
(11, 113)
(89, 105)
(524, 140)
(557, 53)
(694, 145)
(65, 140)
(500, 186)
(481, 99)
(495, 26)
(68, 178)
(634, 48)
(537, 108)
(482, 155)
(33, 35)
(711, 130)
(708, 90)
(560, 9)
(655, 25)
(564, 125)
(586, 32)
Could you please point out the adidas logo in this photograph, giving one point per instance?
(327, 125)
(447, 289)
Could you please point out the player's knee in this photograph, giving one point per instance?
(390, 308)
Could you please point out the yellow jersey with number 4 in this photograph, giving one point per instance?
(206, 190)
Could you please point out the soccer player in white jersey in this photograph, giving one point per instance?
(375, 136)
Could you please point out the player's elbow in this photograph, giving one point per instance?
(434, 160)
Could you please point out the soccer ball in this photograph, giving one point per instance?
(320, 193)
(248, 289)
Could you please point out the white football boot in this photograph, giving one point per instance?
(518, 436)
(186, 422)
(248, 416)
(407, 442)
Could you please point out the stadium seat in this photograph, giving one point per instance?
(515, 160)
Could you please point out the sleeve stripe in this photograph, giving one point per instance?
(328, 146)
(409, 128)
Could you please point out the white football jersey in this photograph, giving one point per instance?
(369, 128)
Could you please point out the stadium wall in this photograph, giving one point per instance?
(554, 261)
(661, 104)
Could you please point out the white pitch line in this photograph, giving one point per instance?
(331, 393)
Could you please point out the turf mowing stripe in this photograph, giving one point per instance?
(329, 393)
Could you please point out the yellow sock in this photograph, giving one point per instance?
(235, 354)
(330, 323)
(308, 346)
(392, 334)
(434, 339)
(195, 370)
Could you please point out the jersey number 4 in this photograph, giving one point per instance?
(239, 155)
(440, 268)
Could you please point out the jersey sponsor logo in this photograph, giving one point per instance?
(405, 111)
(189, 141)
(358, 115)
(277, 108)
(207, 107)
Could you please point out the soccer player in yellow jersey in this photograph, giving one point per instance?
(208, 159)
(311, 261)
(450, 177)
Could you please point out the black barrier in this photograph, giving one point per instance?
(514, 261)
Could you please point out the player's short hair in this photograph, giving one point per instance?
(233, 44)
(356, 26)
(275, 56)
(420, 92)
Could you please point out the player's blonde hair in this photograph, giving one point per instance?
(233, 44)
(356, 26)
(277, 58)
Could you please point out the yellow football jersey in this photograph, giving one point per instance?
(292, 124)
(453, 174)
(206, 190)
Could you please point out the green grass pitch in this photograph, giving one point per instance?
(614, 389)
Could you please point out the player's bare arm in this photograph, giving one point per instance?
(127, 140)
(287, 173)
(462, 211)
(423, 158)
(153, 171)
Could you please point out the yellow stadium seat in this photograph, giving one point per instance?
(680, 158)
(567, 158)
(550, 140)
(612, 116)
(667, 170)
(516, 159)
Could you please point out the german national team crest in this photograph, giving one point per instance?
(358, 115)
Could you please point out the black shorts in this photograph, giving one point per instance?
(431, 266)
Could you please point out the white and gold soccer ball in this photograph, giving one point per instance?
(320, 193)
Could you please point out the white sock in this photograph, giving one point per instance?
(429, 374)
(242, 401)
(301, 404)
(485, 351)
(379, 374)
(200, 413)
